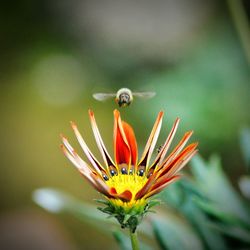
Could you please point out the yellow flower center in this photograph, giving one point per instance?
(122, 182)
(133, 183)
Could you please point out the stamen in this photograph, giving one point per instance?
(141, 172)
(105, 177)
(113, 172)
(124, 171)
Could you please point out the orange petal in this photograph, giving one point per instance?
(170, 168)
(125, 145)
(92, 177)
(146, 155)
(112, 191)
(166, 145)
(94, 162)
(145, 188)
(157, 189)
(106, 157)
(125, 195)
(81, 165)
(176, 150)
(162, 181)
(129, 132)
(101, 186)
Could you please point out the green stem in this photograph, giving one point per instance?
(240, 20)
(134, 241)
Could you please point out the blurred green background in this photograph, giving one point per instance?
(56, 54)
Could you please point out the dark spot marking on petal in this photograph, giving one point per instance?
(140, 172)
(113, 172)
(124, 171)
(105, 177)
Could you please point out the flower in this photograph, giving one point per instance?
(127, 183)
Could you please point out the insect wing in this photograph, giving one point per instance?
(145, 95)
(103, 96)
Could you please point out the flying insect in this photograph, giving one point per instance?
(123, 97)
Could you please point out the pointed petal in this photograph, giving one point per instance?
(181, 163)
(81, 166)
(94, 162)
(121, 147)
(169, 140)
(176, 151)
(112, 191)
(73, 156)
(66, 143)
(76, 156)
(101, 186)
(165, 147)
(145, 188)
(167, 174)
(125, 145)
(171, 168)
(105, 155)
(129, 132)
(161, 181)
(146, 155)
(95, 180)
(125, 196)
(160, 188)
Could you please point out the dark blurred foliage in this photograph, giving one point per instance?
(56, 54)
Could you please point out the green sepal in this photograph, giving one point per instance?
(128, 218)
(101, 201)
(153, 203)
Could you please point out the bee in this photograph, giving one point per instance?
(123, 96)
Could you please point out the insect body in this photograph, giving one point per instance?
(123, 97)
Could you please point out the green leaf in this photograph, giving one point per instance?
(244, 184)
(245, 145)
(56, 201)
(173, 195)
(173, 233)
(234, 232)
(201, 223)
(212, 181)
(185, 204)
(153, 203)
(122, 240)
(220, 214)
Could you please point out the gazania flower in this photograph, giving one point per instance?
(127, 183)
